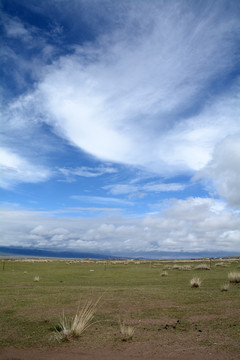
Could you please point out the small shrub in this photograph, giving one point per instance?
(234, 277)
(202, 267)
(74, 327)
(127, 331)
(36, 278)
(164, 273)
(195, 282)
(224, 287)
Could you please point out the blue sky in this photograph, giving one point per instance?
(120, 126)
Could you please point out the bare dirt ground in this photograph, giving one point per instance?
(129, 352)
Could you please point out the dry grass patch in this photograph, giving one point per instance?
(164, 273)
(234, 277)
(186, 267)
(220, 264)
(195, 282)
(176, 267)
(74, 327)
(202, 267)
(224, 287)
(127, 331)
(167, 267)
(36, 278)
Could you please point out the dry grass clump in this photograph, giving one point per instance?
(167, 267)
(181, 267)
(234, 277)
(176, 267)
(127, 331)
(164, 273)
(36, 278)
(224, 287)
(220, 264)
(195, 282)
(202, 267)
(186, 267)
(74, 327)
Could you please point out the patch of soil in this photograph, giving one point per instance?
(128, 351)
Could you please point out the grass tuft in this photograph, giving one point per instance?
(224, 287)
(127, 331)
(74, 327)
(202, 267)
(234, 277)
(195, 282)
(164, 273)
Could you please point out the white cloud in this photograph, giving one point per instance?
(131, 99)
(86, 171)
(185, 225)
(119, 189)
(223, 170)
(16, 169)
(101, 200)
(14, 28)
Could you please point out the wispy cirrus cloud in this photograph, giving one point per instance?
(145, 97)
(144, 94)
(119, 189)
(101, 200)
(84, 171)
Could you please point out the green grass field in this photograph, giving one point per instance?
(158, 307)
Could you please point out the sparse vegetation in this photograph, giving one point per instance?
(195, 282)
(234, 277)
(163, 308)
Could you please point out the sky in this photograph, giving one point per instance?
(120, 126)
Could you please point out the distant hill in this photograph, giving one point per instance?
(19, 251)
(23, 252)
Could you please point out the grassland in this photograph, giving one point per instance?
(163, 310)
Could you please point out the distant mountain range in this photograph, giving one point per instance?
(11, 251)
